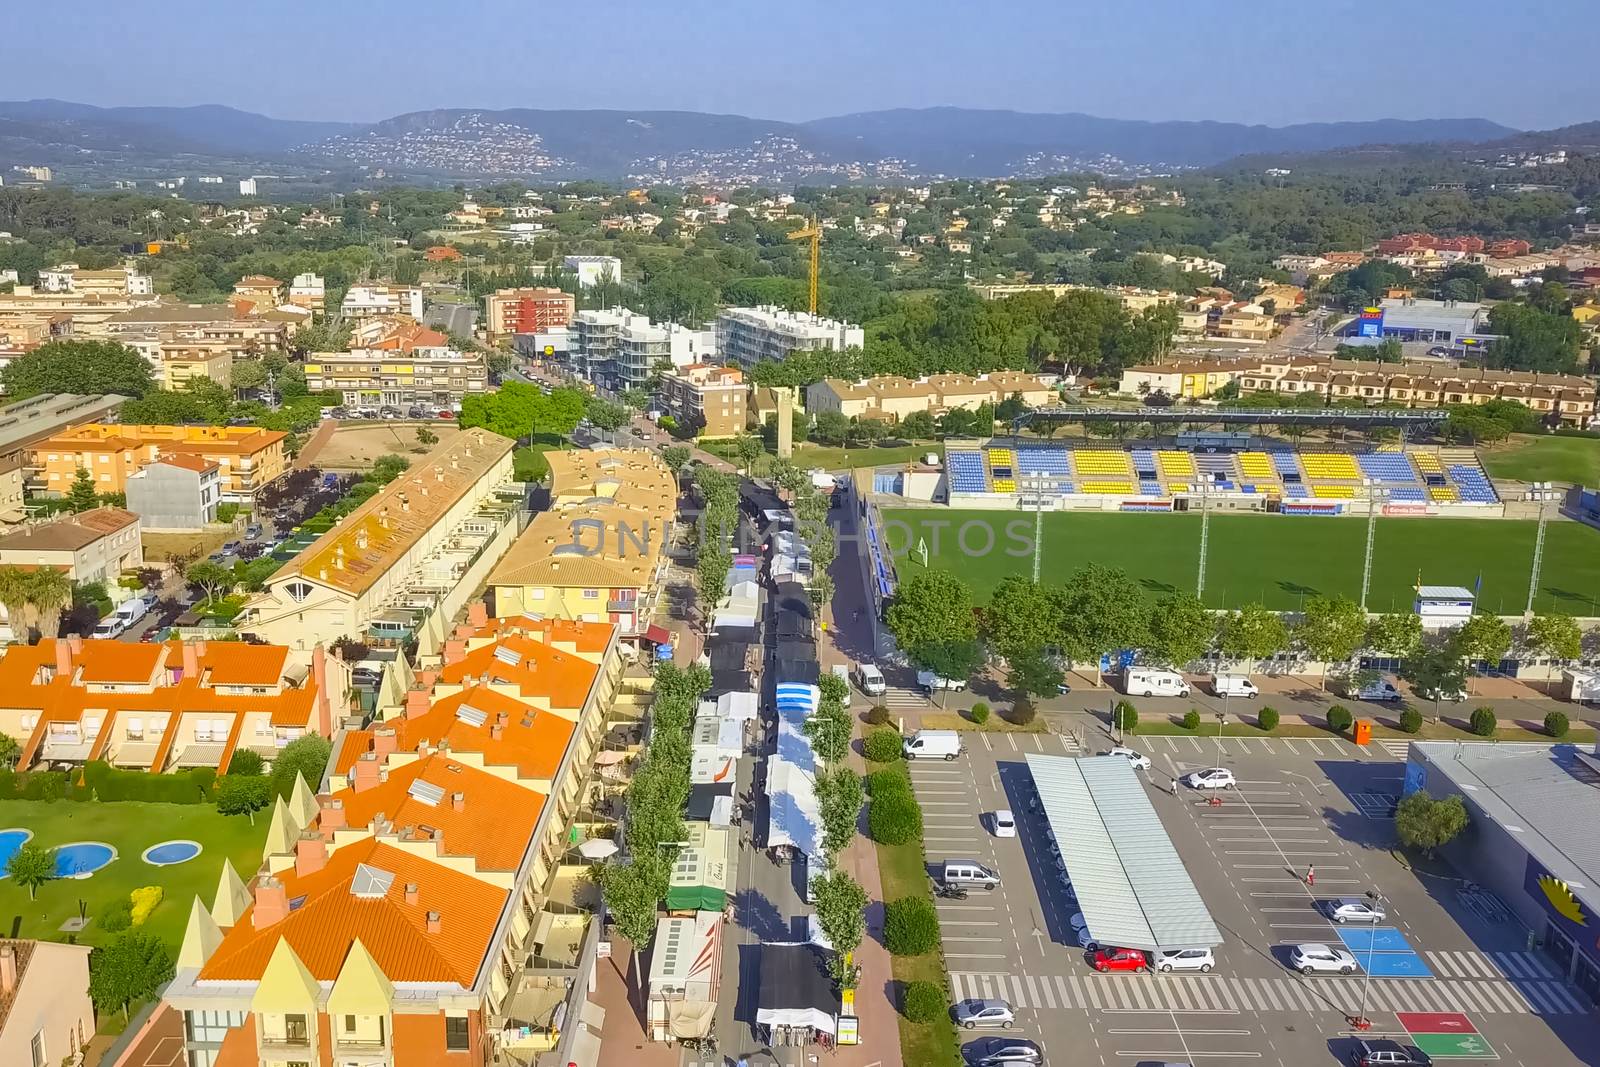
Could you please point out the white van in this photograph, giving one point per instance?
(870, 679)
(841, 672)
(1233, 685)
(930, 683)
(968, 873)
(1378, 690)
(126, 615)
(1148, 682)
(932, 744)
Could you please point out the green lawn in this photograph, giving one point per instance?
(1277, 560)
(808, 456)
(1573, 460)
(130, 827)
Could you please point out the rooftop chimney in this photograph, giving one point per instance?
(332, 817)
(63, 658)
(496, 732)
(455, 651)
(418, 702)
(458, 801)
(272, 903)
(8, 970)
(384, 741)
(478, 613)
(412, 896)
(310, 853)
(75, 642)
(433, 922)
(365, 774)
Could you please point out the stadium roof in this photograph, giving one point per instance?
(1132, 888)
(1204, 416)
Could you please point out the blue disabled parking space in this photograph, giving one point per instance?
(1384, 952)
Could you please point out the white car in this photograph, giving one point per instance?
(1078, 921)
(1354, 910)
(1140, 761)
(1185, 959)
(1321, 959)
(1210, 778)
(1086, 940)
(1005, 824)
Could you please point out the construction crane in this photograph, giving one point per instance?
(811, 232)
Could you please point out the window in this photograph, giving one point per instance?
(38, 1049)
(298, 591)
(591, 594)
(455, 1033)
(295, 1029)
(349, 1024)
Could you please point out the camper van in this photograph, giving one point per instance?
(1146, 682)
(932, 744)
(841, 672)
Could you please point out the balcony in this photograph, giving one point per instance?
(66, 748)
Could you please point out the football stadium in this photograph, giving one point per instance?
(1283, 521)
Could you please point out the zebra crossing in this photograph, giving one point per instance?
(1398, 749)
(1222, 994)
(1513, 965)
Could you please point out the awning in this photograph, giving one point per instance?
(796, 989)
(793, 817)
(703, 871)
(658, 635)
(740, 707)
(1132, 887)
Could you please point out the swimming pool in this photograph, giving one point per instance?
(80, 859)
(10, 841)
(168, 853)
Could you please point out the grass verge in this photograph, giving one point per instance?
(904, 873)
(953, 720)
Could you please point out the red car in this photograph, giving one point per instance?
(1120, 959)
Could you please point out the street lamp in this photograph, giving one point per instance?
(1205, 532)
(1222, 717)
(1360, 1020)
(1036, 482)
(1375, 492)
(1543, 494)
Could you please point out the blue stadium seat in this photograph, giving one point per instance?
(1149, 487)
(1408, 494)
(1387, 467)
(1043, 461)
(1295, 491)
(1287, 464)
(1474, 487)
(966, 472)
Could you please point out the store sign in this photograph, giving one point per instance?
(849, 1030)
(1569, 914)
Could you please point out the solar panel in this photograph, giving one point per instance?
(508, 655)
(471, 715)
(426, 792)
(371, 882)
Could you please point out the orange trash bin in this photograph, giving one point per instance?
(1363, 731)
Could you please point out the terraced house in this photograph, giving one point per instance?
(596, 553)
(405, 915)
(163, 707)
(250, 458)
(415, 549)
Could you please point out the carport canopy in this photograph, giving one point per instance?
(1132, 888)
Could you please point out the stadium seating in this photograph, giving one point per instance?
(1334, 492)
(1474, 486)
(1043, 461)
(1257, 467)
(1116, 488)
(1389, 468)
(1176, 465)
(1408, 494)
(1216, 470)
(1427, 463)
(1002, 469)
(966, 472)
(1443, 494)
(1287, 464)
(1091, 462)
(1295, 491)
(1330, 466)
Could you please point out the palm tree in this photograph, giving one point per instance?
(14, 597)
(49, 591)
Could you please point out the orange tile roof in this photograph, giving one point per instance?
(328, 918)
(188, 463)
(541, 670)
(495, 823)
(591, 637)
(170, 440)
(239, 663)
(118, 661)
(534, 750)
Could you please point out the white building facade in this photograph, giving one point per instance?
(748, 335)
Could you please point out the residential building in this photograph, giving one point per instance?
(597, 553)
(46, 1016)
(1414, 242)
(247, 187)
(263, 291)
(308, 291)
(369, 377)
(38, 174)
(27, 422)
(98, 545)
(591, 270)
(747, 336)
(1344, 260)
(527, 310)
(892, 398)
(410, 915)
(164, 706)
(250, 457)
(362, 302)
(1504, 249)
(183, 361)
(707, 398)
(176, 494)
(414, 550)
(249, 332)
(1242, 325)
(1285, 298)
(1194, 379)
(84, 309)
(622, 348)
(112, 283)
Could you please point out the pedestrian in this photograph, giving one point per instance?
(1311, 874)
(1174, 787)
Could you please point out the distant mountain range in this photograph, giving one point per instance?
(671, 145)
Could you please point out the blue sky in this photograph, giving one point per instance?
(1524, 63)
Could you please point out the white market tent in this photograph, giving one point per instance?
(685, 973)
(1132, 887)
(745, 707)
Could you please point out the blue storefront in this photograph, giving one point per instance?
(1572, 927)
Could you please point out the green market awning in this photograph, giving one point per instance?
(703, 873)
(696, 898)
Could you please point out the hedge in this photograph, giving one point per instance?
(1339, 718)
(924, 1002)
(1268, 718)
(1411, 721)
(980, 713)
(878, 715)
(33, 785)
(185, 787)
(1483, 721)
(882, 746)
(1556, 724)
(910, 926)
(884, 782)
(894, 818)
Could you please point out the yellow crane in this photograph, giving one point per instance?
(812, 232)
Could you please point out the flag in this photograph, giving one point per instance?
(1419, 580)
(1477, 586)
(922, 550)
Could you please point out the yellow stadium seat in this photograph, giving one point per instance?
(1174, 464)
(1333, 492)
(1257, 465)
(1442, 493)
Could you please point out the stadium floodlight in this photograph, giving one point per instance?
(1375, 492)
(1541, 493)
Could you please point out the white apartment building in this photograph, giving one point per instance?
(591, 270)
(748, 335)
(247, 187)
(117, 281)
(621, 348)
(362, 302)
(308, 291)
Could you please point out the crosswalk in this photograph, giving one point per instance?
(1287, 993)
(907, 699)
(1398, 749)
(1513, 965)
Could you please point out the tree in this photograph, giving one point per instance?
(31, 866)
(1104, 611)
(950, 659)
(1437, 672)
(636, 399)
(821, 589)
(910, 926)
(1033, 674)
(829, 732)
(1398, 635)
(242, 795)
(841, 906)
(247, 763)
(1021, 615)
(131, 967)
(89, 367)
(931, 607)
(14, 590)
(247, 375)
(839, 799)
(632, 891)
(1423, 822)
(605, 416)
(1332, 629)
(304, 757)
(711, 577)
(210, 576)
(426, 436)
(748, 448)
(676, 457)
(1555, 637)
(1483, 639)
(1181, 630)
(82, 497)
(10, 749)
(917, 426)
(1253, 633)
(387, 467)
(49, 591)
(894, 818)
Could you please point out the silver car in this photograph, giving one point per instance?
(986, 1012)
(1355, 910)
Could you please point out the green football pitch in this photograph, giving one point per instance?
(1277, 560)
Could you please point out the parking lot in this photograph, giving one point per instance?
(1445, 961)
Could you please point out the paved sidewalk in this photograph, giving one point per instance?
(622, 1037)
